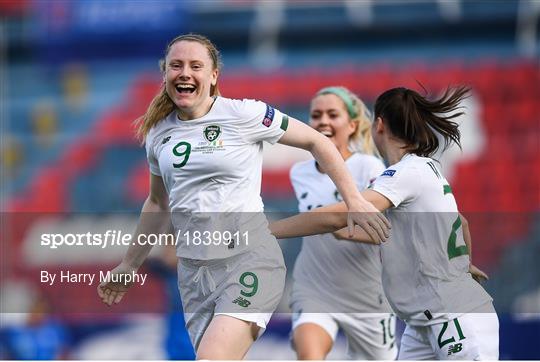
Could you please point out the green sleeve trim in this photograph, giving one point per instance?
(285, 122)
(447, 189)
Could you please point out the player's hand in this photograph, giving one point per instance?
(367, 217)
(112, 292)
(477, 274)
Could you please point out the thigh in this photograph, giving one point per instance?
(415, 345)
(313, 334)
(227, 338)
(198, 307)
(370, 336)
(472, 336)
(312, 340)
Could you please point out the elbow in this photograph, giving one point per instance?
(317, 143)
(158, 203)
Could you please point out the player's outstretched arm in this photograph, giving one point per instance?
(319, 221)
(155, 218)
(381, 203)
(361, 212)
(331, 218)
(359, 235)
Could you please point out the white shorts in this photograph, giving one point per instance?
(370, 336)
(471, 336)
(247, 286)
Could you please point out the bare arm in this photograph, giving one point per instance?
(155, 218)
(321, 220)
(360, 210)
(359, 235)
(327, 219)
(476, 273)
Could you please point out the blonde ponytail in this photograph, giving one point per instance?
(160, 107)
(361, 140)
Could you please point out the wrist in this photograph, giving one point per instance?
(353, 200)
(132, 265)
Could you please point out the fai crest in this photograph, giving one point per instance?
(212, 132)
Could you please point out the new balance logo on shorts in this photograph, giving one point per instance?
(455, 348)
(242, 302)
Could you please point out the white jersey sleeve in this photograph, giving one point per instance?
(260, 121)
(398, 184)
(150, 155)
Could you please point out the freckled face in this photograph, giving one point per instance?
(189, 75)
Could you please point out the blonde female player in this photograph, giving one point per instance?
(337, 285)
(426, 261)
(205, 155)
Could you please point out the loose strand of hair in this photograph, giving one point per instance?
(361, 140)
(160, 107)
(427, 117)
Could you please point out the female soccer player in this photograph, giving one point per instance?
(426, 260)
(205, 155)
(337, 285)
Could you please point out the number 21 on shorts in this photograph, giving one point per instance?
(446, 338)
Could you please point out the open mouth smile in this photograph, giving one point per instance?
(185, 88)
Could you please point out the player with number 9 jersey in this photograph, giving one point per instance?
(205, 158)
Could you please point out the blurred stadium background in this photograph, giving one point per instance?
(75, 74)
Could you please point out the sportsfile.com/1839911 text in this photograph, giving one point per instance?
(120, 238)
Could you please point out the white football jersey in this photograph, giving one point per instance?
(425, 260)
(211, 168)
(343, 276)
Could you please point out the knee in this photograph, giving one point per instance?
(214, 353)
(310, 352)
(310, 349)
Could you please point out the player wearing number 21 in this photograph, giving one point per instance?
(427, 273)
(205, 156)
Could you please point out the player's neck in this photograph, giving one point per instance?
(196, 112)
(345, 152)
(395, 153)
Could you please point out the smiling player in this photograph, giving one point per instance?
(337, 285)
(205, 157)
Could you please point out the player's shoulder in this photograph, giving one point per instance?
(160, 127)
(418, 164)
(409, 165)
(242, 106)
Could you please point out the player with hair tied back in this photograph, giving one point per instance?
(337, 285)
(205, 157)
(427, 274)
